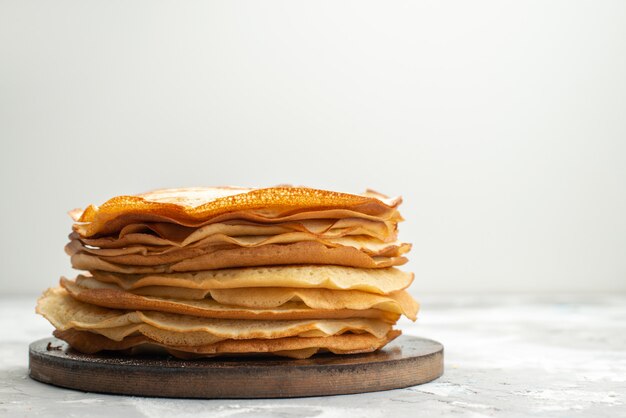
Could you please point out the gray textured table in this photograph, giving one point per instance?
(548, 356)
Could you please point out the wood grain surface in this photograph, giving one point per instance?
(406, 361)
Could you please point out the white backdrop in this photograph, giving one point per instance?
(502, 123)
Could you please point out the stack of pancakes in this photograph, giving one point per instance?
(208, 271)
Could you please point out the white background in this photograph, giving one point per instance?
(502, 123)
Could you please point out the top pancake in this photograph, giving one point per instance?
(195, 207)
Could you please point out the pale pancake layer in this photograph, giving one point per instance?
(201, 206)
(294, 347)
(64, 312)
(254, 303)
(381, 281)
(114, 297)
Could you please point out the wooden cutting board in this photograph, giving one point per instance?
(406, 361)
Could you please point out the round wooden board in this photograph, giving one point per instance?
(406, 361)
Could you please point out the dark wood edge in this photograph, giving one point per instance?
(257, 380)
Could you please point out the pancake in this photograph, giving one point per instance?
(381, 281)
(201, 206)
(284, 270)
(368, 245)
(168, 234)
(139, 255)
(294, 347)
(309, 252)
(112, 297)
(65, 312)
(255, 303)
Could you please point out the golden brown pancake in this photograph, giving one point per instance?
(284, 270)
(200, 206)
